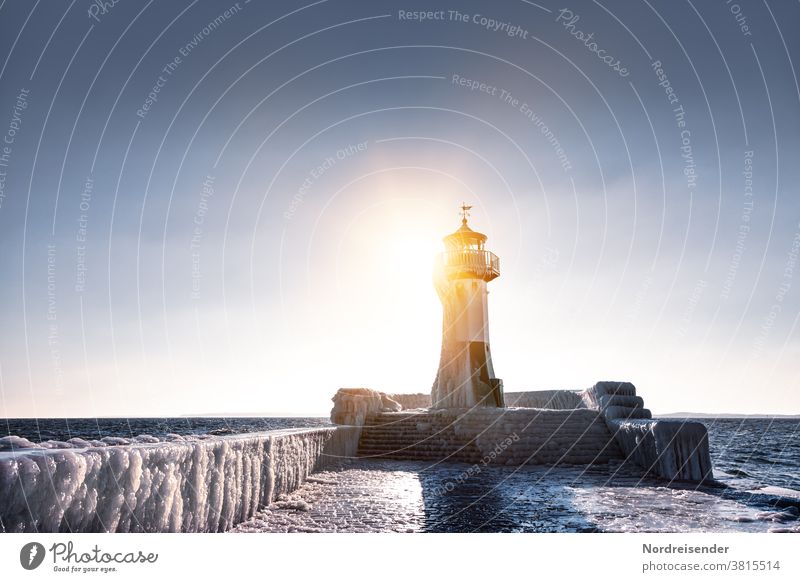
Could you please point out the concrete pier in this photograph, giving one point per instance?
(607, 422)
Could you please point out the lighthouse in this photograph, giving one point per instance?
(466, 376)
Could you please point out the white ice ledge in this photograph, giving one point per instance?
(199, 486)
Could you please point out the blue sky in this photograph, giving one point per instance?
(213, 207)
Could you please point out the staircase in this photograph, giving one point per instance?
(618, 400)
(412, 436)
(490, 436)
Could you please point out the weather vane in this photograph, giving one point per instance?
(465, 212)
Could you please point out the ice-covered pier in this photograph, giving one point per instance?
(607, 422)
(204, 485)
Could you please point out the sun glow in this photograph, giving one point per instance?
(397, 266)
(411, 255)
(375, 295)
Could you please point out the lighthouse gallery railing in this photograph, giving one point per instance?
(470, 263)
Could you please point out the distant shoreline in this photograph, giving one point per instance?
(725, 415)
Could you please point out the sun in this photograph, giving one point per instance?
(412, 255)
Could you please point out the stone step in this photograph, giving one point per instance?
(500, 426)
(432, 454)
(421, 440)
(477, 458)
(402, 430)
(559, 437)
(607, 400)
(620, 412)
(412, 438)
(446, 451)
(599, 447)
(432, 457)
(559, 429)
(611, 387)
(581, 414)
(533, 445)
(421, 452)
(414, 447)
(546, 417)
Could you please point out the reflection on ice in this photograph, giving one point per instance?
(371, 495)
(363, 498)
(659, 509)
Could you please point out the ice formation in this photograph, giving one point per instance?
(14, 443)
(670, 449)
(181, 485)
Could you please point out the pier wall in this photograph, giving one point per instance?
(204, 485)
(411, 401)
(607, 421)
(551, 399)
(547, 399)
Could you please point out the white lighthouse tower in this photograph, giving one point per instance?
(466, 375)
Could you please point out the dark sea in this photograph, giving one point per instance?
(63, 429)
(764, 451)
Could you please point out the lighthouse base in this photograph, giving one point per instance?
(464, 379)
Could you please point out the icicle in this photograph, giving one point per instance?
(200, 485)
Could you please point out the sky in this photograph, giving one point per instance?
(233, 207)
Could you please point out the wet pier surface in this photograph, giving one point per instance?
(410, 496)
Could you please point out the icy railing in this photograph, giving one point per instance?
(192, 486)
(469, 263)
